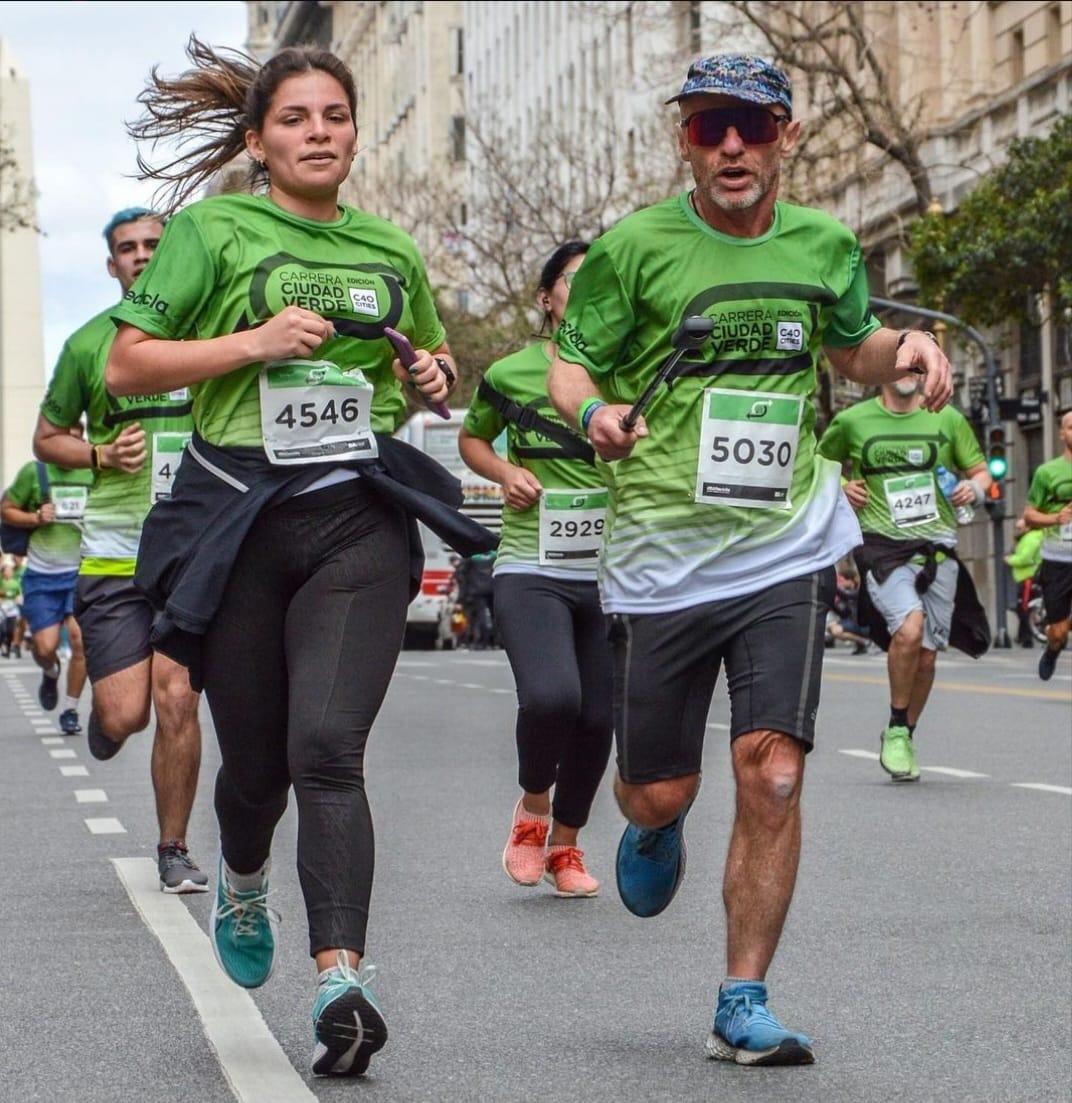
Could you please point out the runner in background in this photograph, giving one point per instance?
(546, 598)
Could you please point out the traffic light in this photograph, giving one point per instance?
(996, 460)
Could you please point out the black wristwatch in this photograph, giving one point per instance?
(905, 332)
(447, 370)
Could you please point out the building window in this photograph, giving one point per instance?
(1017, 58)
(1053, 34)
(459, 51)
(457, 138)
(695, 41)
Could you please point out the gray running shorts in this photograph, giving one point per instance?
(897, 597)
(116, 619)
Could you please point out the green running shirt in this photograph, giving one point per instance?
(896, 455)
(775, 301)
(118, 502)
(1051, 491)
(522, 376)
(54, 548)
(230, 261)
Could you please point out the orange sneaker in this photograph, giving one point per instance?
(523, 858)
(565, 870)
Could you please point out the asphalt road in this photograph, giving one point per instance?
(927, 952)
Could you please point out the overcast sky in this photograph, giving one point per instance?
(86, 62)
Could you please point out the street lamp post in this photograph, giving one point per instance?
(996, 509)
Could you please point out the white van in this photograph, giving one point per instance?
(426, 623)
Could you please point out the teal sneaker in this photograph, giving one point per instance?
(898, 757)
(244, 932)
(746, 1033)
(347, 1022)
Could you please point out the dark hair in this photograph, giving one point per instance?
(557, 261)
(209, 108)
(553, 269)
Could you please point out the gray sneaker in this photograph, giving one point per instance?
(178, 873)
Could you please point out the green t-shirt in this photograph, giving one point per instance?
(523, 377)
(10, 588)
(54, 548)
(119, 502)
(754, 504)
(231, 261)
(1051, 491)
(897, 456)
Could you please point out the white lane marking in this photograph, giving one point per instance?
(858, 754)
(91, 796)
(65, 753)
(952, 772)
(255, 1066)
(53, 741)
(108, 825)
(74, 771)
(414, 662)
(443, 681)
(482, 662)
(1042, 788)
(719, 726)
(471, 685)
(494, 690)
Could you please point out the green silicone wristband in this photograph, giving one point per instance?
(587, 408)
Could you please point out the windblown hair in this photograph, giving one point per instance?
(554, 267)
(207, 110)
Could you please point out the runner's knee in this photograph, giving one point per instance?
(910, 634)
(656, 803)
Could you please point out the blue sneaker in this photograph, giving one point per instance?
(347, 1023)
(650, 866)
(746, 1032)
(243, 932)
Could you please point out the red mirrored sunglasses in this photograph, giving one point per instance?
(756, 126)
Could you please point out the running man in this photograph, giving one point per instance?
(915, 596)
(294, 571)
(546, 599)
(134, 448)
(10, 607)
(724, 524)
(51, 500)
(1049, 507)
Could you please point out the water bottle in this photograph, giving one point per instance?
(948, 482)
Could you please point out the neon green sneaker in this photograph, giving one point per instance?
(898, 757)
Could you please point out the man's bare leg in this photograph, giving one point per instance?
(176, 747)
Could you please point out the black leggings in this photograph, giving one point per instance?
(555, 636)
(297, 662)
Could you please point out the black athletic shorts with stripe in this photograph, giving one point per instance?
(1056, 581)
(666, 666)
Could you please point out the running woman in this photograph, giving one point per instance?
(724, 525)
(134, 447)
(51, 501)
(271, 308)
(546, 598)
(1049, 507)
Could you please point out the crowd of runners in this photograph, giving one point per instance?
(215, 471)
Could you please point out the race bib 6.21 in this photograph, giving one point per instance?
(313, 412)
(748, 445)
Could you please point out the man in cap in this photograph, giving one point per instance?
(725, 524)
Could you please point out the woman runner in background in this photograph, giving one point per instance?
(546, 598)
(271, 309)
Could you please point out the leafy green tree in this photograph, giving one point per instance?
(1008, 241)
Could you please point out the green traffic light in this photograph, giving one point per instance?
(998, 467)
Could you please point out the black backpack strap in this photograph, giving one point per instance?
(43, 480)
(525, 417)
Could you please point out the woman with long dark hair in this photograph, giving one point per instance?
(294, 565)
(546, 598)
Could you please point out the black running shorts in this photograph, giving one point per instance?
(666, 666)
(1056, 582)
(116, 619)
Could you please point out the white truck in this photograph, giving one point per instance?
(427, 623)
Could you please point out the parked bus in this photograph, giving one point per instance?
(428, 621)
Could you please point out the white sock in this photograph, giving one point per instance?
(54, 672)
(247, 882)
(70, 703)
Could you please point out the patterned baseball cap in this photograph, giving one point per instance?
(743, 76)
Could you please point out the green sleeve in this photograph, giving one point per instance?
(482, 420)
(834, 444)
(850, 321)
(599, 319)
(25, 491)
(966, 450)
(1039, 492)
(65, 400)
(168, 298)
(428, 331)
